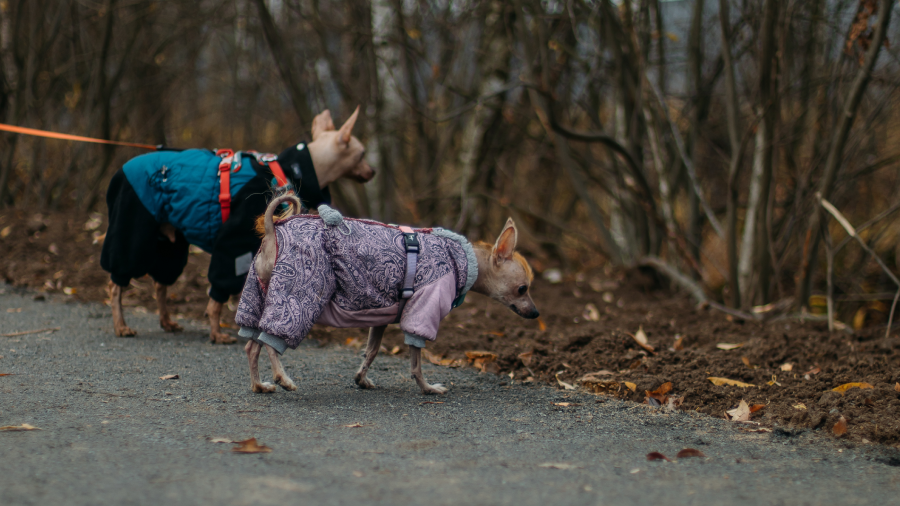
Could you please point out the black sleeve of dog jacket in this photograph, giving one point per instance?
(133, 245)
(237, 242)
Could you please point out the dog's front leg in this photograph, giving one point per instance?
(372, 347)
(164, 320)
(253, 348)
(415, 365)
(115, 300)
(216, 336)
(279, 376)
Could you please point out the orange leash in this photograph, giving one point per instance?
(54, 135)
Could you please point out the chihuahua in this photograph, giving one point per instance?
(162, 202)
(357, 273)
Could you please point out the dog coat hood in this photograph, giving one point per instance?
(347, 273)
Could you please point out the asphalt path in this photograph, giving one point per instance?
(113, 432)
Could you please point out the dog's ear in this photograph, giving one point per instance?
(347, 128)
(506, 242)
(322, 123)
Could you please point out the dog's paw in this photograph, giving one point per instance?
(435, 389)
(363, 382)
(125, 332)
(221, 338)
(170, 326)
(285, 383)
(263, 388)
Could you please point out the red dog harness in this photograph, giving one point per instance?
(229, 158)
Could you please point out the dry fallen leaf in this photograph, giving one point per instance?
(679, 343)
(847, 386)
(730, 382)
(728, 346)
(526, 357)
(431, 357)
(631, 386)
(591, 313)
(756, 407)
(353, 342)
(250, 446)
(659, 395)
(787, 367)
(807, 374)
(897, 387)
(559, 465)
(689, 452)
(566, 404)
(599, 386)
(7, 373)
(740, 413)
(541, 324)
(395, 350)
(640, 337)
(24, 426)
(799, 406)
(472, 355)
(657, 456)
(591, 376)
(840, 428)
(674, 402)
(746, 362)
(567, 386)
(169, 377)
(354, 425)
(221, 440)
(760, 429)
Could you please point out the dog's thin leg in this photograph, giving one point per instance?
(279, 376)
(372, 347)
(164, 320)
(253, 348)
(216, 336)
(415, 365)
(115, 300)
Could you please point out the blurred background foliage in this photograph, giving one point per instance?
(688, 137)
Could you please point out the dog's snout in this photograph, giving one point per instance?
(534, 313)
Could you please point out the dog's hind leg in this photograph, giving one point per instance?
(372, 347)
(253, 348)
(115, 300)
(415, 365)
(216, 336)
(279, 376)
(164, 320)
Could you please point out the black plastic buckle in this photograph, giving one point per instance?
(411, 243)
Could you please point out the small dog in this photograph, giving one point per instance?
(358, 273)
(161, 202)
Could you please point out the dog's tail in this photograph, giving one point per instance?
(265, 224)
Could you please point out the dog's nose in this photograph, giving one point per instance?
(533, 314)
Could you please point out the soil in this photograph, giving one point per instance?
(587, 325)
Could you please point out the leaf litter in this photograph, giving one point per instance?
(250, 446)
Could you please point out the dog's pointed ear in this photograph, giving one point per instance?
(322, 123)
(506, 242)
(347, 127)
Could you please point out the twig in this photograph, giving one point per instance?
(852, 232)
(26, 332)
(691, 286)
(829, 259)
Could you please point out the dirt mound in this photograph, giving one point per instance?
(587, 326)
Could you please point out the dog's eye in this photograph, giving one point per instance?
(523, 289)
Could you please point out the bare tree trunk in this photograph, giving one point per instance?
(732, 118)
(754, 240)
(284, 61)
